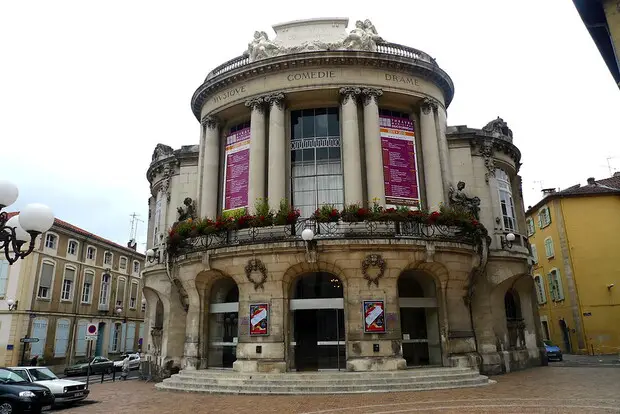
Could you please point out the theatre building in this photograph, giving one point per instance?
(330, 219)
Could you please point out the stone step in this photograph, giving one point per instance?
(324, 380)
(214, 373)
(349, 389)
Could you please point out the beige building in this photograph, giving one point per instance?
(71, 279)
(351, 131)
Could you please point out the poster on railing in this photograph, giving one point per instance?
(400, 172)
(237, 169)
(259, 319)
(374, 316)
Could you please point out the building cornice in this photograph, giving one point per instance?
(426, 70)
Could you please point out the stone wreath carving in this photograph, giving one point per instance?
(256, 265)
(374, 260)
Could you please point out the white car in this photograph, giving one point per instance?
(134, 362)
(65, 391)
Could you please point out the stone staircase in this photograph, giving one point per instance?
(330, 382)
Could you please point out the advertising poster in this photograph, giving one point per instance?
(237, 169)
(259, 319)
(374, 316)
(400, 172)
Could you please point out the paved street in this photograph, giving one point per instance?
(96, 378)
(551, 389)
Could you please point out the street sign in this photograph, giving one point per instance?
(28, 340)
(92, 331)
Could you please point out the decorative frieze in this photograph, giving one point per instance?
(486, 150)
(371, 94)
(276, 99)
(349, 92)
(373, 260)
(210, 122)
(256, 265)
(256, 104)
(428, 105)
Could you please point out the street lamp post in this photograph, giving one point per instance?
(18, 230)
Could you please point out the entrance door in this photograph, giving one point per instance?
(99, 345)
(318, 323)
(223, 323)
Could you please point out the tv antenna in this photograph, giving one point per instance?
(133, 231)
(609, 165)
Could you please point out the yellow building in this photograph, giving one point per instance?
(602, 19)
(575, 245)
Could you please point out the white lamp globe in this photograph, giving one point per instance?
(307, 235)
(144, 301)
(119, 310)
(510, 237)
(8, 193)
(36, 217)
(20, 233)
(10, 302)
(150, 253)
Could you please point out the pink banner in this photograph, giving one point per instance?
(400, 172)
(237, 169)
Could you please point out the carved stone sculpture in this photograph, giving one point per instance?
(363, 37)
(261, 47)
(161, 150)
(459, 199)
(189, 211)
(498, 128)
(373, 260)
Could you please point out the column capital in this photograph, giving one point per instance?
(371, 94)
(256, 104)
(210, 122)
(428, 104)
(276, 99)
(349, 92)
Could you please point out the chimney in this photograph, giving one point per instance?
(132, 244)
(547, 191)
(591, 181)
(617, 174)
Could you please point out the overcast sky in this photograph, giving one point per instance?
(87, 89)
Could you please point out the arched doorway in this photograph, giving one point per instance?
(419, 319)
(223, 321)
(514, 320)
(317, 324)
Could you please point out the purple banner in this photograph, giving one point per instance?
(237, 169)
(400, 172)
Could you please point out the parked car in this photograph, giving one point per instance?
(65, 391)
(134, 362)
(98, 365)
(19, 396)
(553, 351)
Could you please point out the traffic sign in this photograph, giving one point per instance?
(28, 340)
(92, 331)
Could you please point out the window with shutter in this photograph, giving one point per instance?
(122, 264)
(552, 287)
(534, 253)
(130, 336)
(62, 338)
(87, 287)
(549, 247)
(45, 280)
(39, 331)
(133, 295)
(557, 279)
(67, 284)
(120, 292)
(540, 289)
(80, 338)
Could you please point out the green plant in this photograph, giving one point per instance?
(327, 213)
(354, 213)
(286, 213)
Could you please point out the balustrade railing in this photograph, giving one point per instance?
(324, 231)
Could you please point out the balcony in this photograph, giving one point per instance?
(338, 230)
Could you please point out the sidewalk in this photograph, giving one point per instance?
(588, 360)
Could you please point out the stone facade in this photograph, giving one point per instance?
(447, 300)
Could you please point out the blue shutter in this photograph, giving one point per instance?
(131, 336)
(62, 337)
(39, 330)
(80, 339)
(112, 333)
(121, 340)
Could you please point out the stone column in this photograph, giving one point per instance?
(372, 140)
(444, 151)
(351, 152)
(276, 176)
(192, 327)
(256, 185)
(209, 171)
(430, 155)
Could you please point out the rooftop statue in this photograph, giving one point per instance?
(460, 200)
(261, 47)
(363, 37)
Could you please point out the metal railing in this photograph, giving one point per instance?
(325, 231)
(385, 48)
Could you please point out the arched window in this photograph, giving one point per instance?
(505, 199)
(87, 287)
(107, 259)
(46, 279)
(51, 241)
(68, 280)
(62, 338)
(316, 160)
(80, 338)
(39, 330)
(72, 248)
(104, 295)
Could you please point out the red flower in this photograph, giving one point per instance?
(362, 212)
(434, 216)
(334, 213)
(475, 222)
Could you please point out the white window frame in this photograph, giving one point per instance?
(544, 217)
(120, 263)
(541, 295)
(504, 185)
(549, 248)
(72, 287)
(555, 282)
(131, 285)
(56, 238)
(118, 284)
(117, 337)
(94, 249)
(79, 339)
(534, 253)
(133, 268)
(531, 227)
(5, 269)
(111, 255)
(92, 287)
(50, 290)
(42, 341)
(107, 296)
(77, 247)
